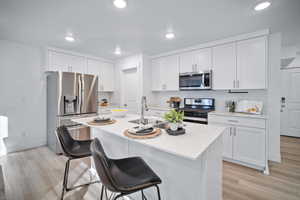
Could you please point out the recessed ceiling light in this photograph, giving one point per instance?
(120, 3)
(170, 35)
(70, 38)
(262, 5)
(118, 51)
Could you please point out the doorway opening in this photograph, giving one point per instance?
(290, 103)
(130, 89)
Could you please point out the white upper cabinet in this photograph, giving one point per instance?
(240, 65)
(196, 61)
(93, 67)
(78, 64)
(66, 63)
(156, 75)
(105, 73)
(57, 62)
(187, 62)
(107, 77)
(224, 67)
(252, 63)
(203, 58)
(165, 74)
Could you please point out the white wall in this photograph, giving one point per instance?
(23, 95)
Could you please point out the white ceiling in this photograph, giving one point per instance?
(99, 27)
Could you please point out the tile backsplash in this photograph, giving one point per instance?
(161, 98)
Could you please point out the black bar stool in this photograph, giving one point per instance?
(123, 176)
(73, 149)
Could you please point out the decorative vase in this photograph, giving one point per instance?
(174, 126)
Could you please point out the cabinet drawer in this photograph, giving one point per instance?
(238, 121)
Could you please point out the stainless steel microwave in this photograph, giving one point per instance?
(196, 81)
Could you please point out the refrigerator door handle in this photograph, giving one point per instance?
(80, 93)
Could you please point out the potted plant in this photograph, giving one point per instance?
(174, 118)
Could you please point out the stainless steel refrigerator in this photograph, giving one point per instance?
(69, 95)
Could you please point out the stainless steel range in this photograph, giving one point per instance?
(196, 109)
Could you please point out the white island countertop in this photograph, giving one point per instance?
(191, 145)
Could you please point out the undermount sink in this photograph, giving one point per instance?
(156, 123)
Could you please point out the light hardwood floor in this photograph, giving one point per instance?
(37, 175)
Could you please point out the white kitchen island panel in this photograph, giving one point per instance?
(192, 171)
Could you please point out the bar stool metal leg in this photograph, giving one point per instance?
(101, 196)
(65, 181)
(143, 195)
(158, 192)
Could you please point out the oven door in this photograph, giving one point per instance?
(195, 117)
(190, 81)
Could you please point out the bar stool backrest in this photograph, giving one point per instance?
(103, 165)
(65, 140)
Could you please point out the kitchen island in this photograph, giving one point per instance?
(189, 165)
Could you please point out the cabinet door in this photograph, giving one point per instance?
(156, 75)
(66, 63)
(227, 137)
(251, 63)
(224, 67)
(202, 59)
(107, 77)
(77, 63)
(170, 73)
(227, 142)
(187, 62)
(249, 145)
(58, 62)
(94, 68)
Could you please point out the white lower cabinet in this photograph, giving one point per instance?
(227, 143)
(244, 140)
(249, 145)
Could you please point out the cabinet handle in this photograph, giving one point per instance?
(234, 131)
(230, 131)
(238, 84)
(233, 83)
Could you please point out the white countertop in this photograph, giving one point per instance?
(230, 114)
(191, 145)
